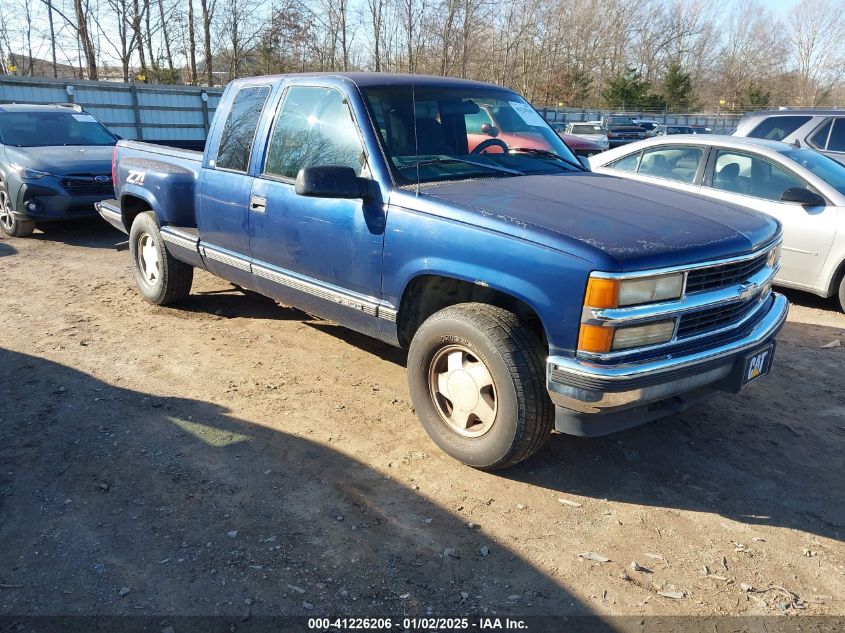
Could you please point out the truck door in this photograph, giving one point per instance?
(224, 200)
(323, 255)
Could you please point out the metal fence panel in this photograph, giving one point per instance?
(720, 123)
(132, 111)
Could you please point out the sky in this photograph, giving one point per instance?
(781, 6)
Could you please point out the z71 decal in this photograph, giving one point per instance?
(135, 178)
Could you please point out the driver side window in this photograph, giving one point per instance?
(313, 128)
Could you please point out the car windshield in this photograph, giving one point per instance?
(46, 128)
(827, 169)
(463, 132)
(620, 120)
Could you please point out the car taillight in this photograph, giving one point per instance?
(113, 162)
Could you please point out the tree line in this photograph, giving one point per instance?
(678, 55)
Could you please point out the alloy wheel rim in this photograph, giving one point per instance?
(6, 218)
(149, 262)
(462, 389)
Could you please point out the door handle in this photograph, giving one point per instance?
(258, 204)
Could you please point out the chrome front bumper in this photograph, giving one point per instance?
(582, 388)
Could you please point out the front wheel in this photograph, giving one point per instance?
(9, 224)
(161, 278)
(477, 381)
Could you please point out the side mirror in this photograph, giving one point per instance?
(803, 196)
(585, 162)
(332, 181)
(490, 130)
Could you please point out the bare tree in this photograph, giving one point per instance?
(817, 47)
(192, 45)
(208, 7)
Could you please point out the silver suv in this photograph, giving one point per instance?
(822, 130)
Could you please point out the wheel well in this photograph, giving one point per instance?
(837, 277)
(428, 294)
(131, 206)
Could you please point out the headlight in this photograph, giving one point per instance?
(599, 339)
(643, 335)
(616, 293)
(774, 256)
(26, 172)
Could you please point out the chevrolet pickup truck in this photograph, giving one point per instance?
(532, 294)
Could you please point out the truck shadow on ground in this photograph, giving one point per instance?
(771, 455)
(233, 303)
(7, 249)
(195, 511)
(84, 233)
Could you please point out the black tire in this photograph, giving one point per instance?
(515, 359)
(9, 224)
(841, 294)
(170, 280)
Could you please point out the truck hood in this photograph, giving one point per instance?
(63, 160)
(638, 225)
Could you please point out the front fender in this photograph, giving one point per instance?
(550, 282)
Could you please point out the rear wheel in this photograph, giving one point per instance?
(161, 278)
(9, 224)
(477, 380)
(841, 294)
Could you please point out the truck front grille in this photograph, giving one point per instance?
(703, 321)
(715, 277)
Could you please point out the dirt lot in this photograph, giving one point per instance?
(233, 456)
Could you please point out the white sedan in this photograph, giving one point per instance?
(800, 187)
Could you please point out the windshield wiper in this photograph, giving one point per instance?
(453, 159)
(548, 154)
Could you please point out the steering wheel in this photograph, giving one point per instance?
(490, 142)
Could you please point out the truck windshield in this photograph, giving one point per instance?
(42, 129)
(457, 133)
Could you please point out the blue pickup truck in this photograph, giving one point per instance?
(532, 295)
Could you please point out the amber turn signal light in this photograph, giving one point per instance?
(595, 339)
(602, 293)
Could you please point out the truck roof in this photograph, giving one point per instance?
(363, 79)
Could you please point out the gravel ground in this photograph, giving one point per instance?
(231, 456)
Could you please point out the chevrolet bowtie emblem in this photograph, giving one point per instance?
(747, 289)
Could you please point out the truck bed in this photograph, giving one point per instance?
(163, 150)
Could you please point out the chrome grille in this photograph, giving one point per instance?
(715, 277)
(703, 321)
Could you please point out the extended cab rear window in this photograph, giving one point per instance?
(239, 130)
(777, 128)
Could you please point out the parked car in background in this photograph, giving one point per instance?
(803, 189)
(649, 125)
(622, 129)
(55, 163)
(701, 129)
(586, 131)
(823, 130)
(664, 130)
(531, 294)
(494, 122)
